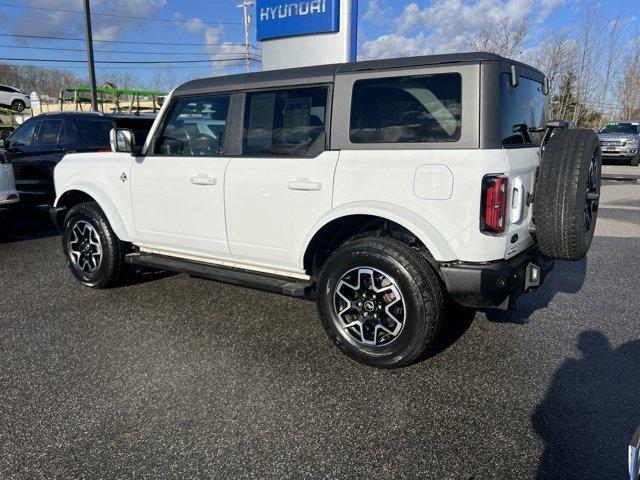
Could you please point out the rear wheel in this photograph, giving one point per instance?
(568, 194)
(18, 105)
(380, 302)
(93, 252)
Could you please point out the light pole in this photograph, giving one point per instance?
(92, 67)
(247, 22)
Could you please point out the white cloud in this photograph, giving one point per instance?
(445, 25)
(378, 14)
(389, 46)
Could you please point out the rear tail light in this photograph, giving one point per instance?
(494, 204)
(105, 150)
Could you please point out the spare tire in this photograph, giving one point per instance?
(567, 194)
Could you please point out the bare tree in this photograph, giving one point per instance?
(628, 91)
(505, 37)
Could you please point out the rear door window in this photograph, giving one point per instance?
(49, 132)
(285, 123)
(409, 109)
(524, 112)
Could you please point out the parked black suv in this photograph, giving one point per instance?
(36, 147)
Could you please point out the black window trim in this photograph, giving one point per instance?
(167, 115)
(327, 123)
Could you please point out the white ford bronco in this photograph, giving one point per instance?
(390, 191)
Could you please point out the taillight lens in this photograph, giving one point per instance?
(494, 204)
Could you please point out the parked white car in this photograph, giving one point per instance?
(388, 190)
(8, 193)
(14, 98)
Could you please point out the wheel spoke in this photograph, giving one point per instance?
(369, 306)
(85, 247)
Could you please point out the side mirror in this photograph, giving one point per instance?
(122, 140)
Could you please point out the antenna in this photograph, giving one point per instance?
(247, 22)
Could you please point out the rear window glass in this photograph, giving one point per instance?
(524, 111)
(139, 126)
(411, 109)
(89, 134)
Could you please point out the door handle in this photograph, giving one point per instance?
(202, 180)
(304, 184)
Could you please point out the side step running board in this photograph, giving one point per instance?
(259, 281)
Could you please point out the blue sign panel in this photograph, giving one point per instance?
(289, 18)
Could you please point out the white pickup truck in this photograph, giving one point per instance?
(390, 191)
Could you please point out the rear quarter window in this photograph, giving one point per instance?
(409, 109)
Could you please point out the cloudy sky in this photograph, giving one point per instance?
(166, 31)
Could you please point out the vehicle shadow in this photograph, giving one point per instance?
(458, 320)
(590, 411)
(27, 223)
(566, 277)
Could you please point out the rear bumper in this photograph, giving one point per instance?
(496, 284)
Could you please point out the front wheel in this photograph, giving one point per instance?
(380, 302)
(635, 161)
(93, 252)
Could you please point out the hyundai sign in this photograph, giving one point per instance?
(290, 18)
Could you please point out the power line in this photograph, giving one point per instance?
(125, 62)
(199, 44)
(113, 15)
(121, 51)
(69, 67)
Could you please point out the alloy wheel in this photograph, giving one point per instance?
(369, 306)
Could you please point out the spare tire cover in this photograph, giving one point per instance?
(567, 194)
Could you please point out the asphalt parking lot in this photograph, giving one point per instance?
(174, 377)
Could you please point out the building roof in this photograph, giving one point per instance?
(327, 73)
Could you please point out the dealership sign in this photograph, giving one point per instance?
(290, 18)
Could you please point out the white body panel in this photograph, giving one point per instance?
(99, 176)
(451, 212)
(265, 211)
(178, 204)
(282, 199)
(7, 185)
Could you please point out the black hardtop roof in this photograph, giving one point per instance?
(327, 73)
(92, 114)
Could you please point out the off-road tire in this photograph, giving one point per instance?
(112, 264)
(418, 284)
(570, 160)
(635, 161)
(18, 106)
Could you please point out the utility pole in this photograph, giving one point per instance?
(92, 67)
(247, 22)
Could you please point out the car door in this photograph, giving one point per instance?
(34, 169)
(282, 184)
(5, 95)
(177, 190)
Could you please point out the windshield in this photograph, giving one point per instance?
(616, 127)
